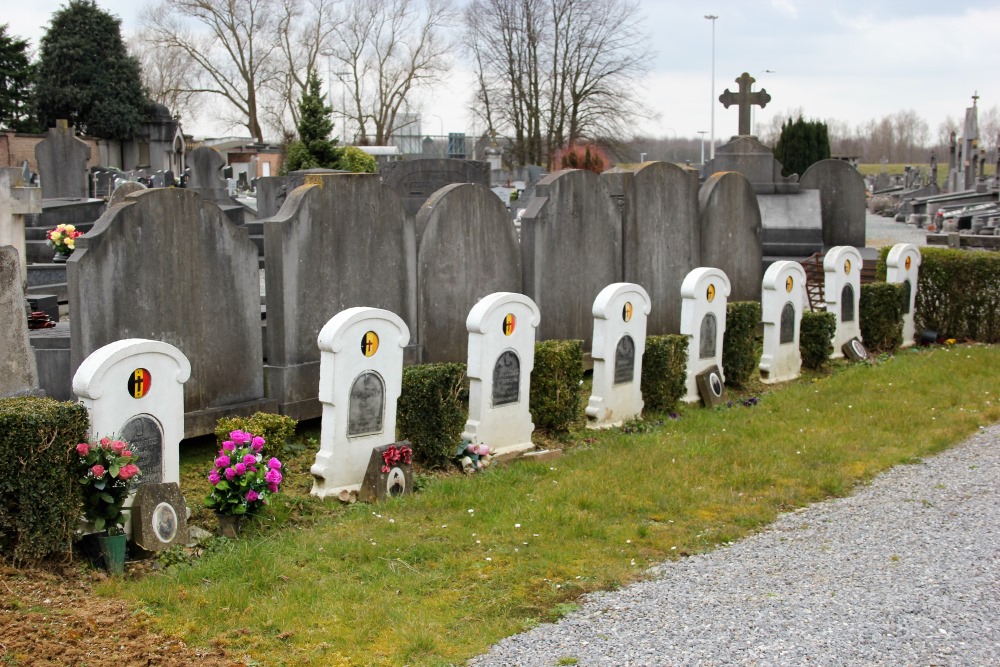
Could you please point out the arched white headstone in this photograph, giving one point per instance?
(782, 300)
(903, 266)
(704, 294)
(620, 314)
(842, 293)
(501, 355)
(360, 379)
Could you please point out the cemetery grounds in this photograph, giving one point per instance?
(435, 578)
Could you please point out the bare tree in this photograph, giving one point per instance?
(388, 48)
(166, 73)
(989, 129)
(553, 72)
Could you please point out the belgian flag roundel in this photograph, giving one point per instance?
(627, 311)
(789, 284)
(369, 343)
(509, 322)
(710, 293)
(139, 383)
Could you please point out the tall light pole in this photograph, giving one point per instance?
(712, 17)
(703, 133)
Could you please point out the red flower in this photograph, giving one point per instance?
(385, 469)
(98, 471)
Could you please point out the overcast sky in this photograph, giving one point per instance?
(850, 60)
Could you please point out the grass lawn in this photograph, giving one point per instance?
(435, 578)
(899, 169)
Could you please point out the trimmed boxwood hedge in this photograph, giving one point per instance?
(39, 492)
(556, 393)
(430, 413)
(739, 347)
(881, 316)
(815, 335)
(958, 294)
(275, 429)
(664, 371)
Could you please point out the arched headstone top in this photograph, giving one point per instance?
(88, 382)
(777, 277)
(482, 313)
(903, 256)
(609, 295)
(845, 259)
(696, 284)
(333, 337)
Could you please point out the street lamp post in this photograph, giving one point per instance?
(703, 133)
(712, 18)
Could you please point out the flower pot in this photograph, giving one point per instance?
(112, 548)
(230, 525)
(59, 258)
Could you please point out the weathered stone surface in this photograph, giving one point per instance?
(792, 224)
(842, 197)
(159, 516)
(16, 203)
(124, 190)
(756, 162)
(571, 249)
(416, 180)
(340, 241)
(206, 166)
(18, 373)
(731, 233)
(62, 163)
(468, 249)
(168, 266)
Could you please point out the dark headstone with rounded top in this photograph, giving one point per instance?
(842, 201)
(731, 231)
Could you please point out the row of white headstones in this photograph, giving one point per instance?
(136, 385)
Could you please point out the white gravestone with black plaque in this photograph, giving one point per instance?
(501, 355)
(903, 266)
(360, 378)
(704, 294)
(842, 293)
(620, 314)
(782, 299)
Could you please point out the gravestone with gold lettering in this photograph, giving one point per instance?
(781, 311)
(903, 266)
(501, 355)
(842, 293)
(620, 313)
(704, 294)
(360, 378)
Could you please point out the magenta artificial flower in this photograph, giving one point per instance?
(252, 496)
(272, 487)
(230, 474)
(249, 459)
(98, 471)
(222, 462)
(83, 449)
(239, 437)
(274, 464)
(228, 446)
(214, 477)
(273, 477)
(240, 468)
(257, 443)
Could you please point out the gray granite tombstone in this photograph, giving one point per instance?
(206, 165)
(159, 515)
(467, 249)
(18, 372)
(341, 240)
(842, 201)
(128, 187)
(203, 296)
(571, 249)
(62, 163)
(416, 180)
(731, 233)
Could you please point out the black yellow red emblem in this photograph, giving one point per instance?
(909, 261)
(627, 311)
(509, 322)
(139, 382)
(847, 266)
(789, 283)
(369, 343)
(710, 293)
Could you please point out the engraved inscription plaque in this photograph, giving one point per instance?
(366, 405)
(507, 379)
(145, 437)
(847, 304)
(787, 334)
(907, 293)
(709, 328)
(625, 360)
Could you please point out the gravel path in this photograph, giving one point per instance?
(904, 572)
(881, 231)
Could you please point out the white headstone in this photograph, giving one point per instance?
(501, 355)
(842, 293)
(704, 293)
(134, 389)
(782, 300)
(360, 379)
(903, 266)
(620, 313)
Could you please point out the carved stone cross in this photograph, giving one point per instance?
(745, 99)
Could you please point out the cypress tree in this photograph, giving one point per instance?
(801, 144)
(314, 147)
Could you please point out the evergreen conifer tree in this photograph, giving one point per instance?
(314, 147)
(802, 143)
(15, 84)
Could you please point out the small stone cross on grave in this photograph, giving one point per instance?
(745, 99)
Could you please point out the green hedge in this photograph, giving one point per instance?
(556, 392)
(739, 347)
(815, 333)
(39, 492)
(958, 294)
(664, 371)
(881, 315)
(430, 413)
(275, 429)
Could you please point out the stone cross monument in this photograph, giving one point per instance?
(745, 99)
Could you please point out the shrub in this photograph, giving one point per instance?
(881, 315)
(958, 294)
(430, 413)
(739, 346)
(664, 371)
(815, 333)
(555, 384)
(357, 161)
(275, 429)
(39, 492)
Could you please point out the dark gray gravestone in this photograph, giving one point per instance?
(468, 249)
(786, 332)
(710, 387)
(159, 516)
(507, 379)
(144, 435)
(709, 331)
(416, 180)
(381, 484)
(842, 201)
(62, 163)
(206, 165)
(731, 233)
(660, 234)
(847, 304)
(123, 190)
(18, 372)
(340, 241)
(571, 244)
(366, 405)
(625, 360)
(123, 284)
